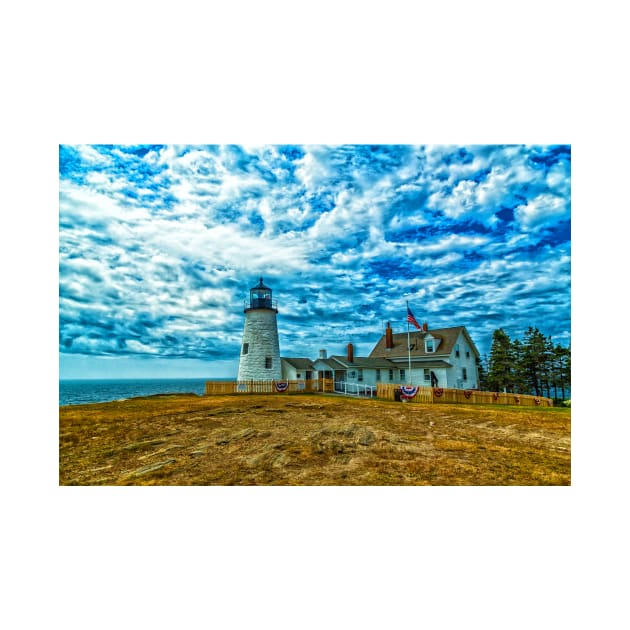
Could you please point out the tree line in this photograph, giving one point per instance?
(533, 366)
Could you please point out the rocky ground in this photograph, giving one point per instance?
(310, 440)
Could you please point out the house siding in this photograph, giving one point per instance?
(454, 377)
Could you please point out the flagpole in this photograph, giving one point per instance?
(409, 344)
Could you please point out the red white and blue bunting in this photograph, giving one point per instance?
(408, 391)
(281, 386)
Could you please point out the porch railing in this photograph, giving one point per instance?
(355, 389)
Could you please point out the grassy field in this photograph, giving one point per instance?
(310, 440)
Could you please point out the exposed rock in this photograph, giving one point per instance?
(151, 468)
(222, 439)
(136, 445)
(365, 437)
(161, 450)
(245, 434)
(268, 459)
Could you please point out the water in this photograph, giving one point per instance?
(79, 392)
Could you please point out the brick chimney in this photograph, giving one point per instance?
(389, 337)
(350, 353)
(425, 327)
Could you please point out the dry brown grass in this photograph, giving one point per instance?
(310, 440)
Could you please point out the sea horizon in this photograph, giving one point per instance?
(81, 391)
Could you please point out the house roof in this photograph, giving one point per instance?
(363, 362)
(329, 362)
(447, 336)
(299, 363)
(418, 364)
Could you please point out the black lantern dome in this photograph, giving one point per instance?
(260, 297)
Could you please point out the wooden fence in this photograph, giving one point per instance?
(216, 388)
(470, 396)
(387, 391)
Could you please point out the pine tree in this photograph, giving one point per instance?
(518, 377)
(562, 372)
(500, 368)
(534, 361)
(482, 372)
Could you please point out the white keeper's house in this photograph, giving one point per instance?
(443, 357)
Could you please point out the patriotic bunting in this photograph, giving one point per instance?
(408, 391)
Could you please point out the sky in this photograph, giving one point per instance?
(160, 244)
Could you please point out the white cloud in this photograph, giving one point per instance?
(180, 269)
(91, 155)
(541, 211)
(311, 172)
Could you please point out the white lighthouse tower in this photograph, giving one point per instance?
(260, 352)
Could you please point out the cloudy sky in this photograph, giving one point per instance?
(159, 245)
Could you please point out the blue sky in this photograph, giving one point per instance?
(159, 245)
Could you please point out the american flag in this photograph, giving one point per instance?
(411, 319)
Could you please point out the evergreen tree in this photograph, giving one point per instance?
(534, 361)
(562, 370)
(518, 378)
(482, 372)
(532, 366)
(501, 365)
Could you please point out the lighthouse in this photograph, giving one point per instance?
(260, 351)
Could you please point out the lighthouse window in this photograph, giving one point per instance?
(245, 348)
(268, 362)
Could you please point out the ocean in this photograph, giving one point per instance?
(80, 392)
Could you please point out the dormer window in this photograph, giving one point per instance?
(428, 345)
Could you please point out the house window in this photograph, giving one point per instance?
(245, 348)
(360, 377)
(298, 375)
(402, 375)
(464, 375)
(391, 375)
(456, 349)
(428, 344)
(378, 374)
(268, 362)
(427, 374)
(467, 354)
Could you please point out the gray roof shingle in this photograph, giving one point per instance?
(447, 337)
